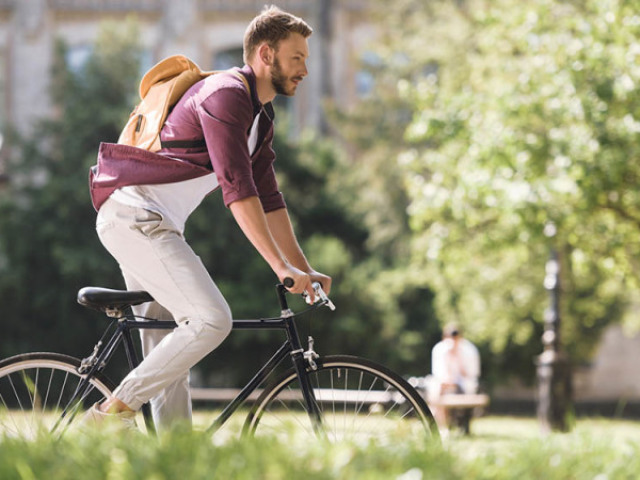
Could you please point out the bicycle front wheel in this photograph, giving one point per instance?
(359, 400)
(39, 392)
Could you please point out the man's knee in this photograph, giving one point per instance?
(224, 323)
(218, 326)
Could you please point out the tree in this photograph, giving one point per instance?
(48, 245)
(529, 118)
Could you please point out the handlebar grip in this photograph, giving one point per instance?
(288, 282)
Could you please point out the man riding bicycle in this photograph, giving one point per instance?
(141, 223)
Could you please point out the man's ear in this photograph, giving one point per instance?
(266, 54)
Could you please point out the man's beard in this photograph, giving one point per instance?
(278, 79)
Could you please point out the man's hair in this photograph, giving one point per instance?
(451, 330)
(272, 26)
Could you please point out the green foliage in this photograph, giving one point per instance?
(523, 114)
(196, 456)
(48, 246)
(504, 449)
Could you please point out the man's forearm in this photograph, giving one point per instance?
(253, 222)
(273, 237)
(282, 232)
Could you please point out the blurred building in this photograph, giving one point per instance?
(208, 31)
(613, 372)
(608, 385)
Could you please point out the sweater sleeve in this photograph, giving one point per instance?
(226, 117)
(264, 176)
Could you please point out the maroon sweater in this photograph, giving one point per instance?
(219, 111)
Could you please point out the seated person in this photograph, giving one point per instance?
(455, 368)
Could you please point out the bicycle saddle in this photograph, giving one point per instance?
(104, 299)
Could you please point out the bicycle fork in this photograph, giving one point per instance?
(301, 360)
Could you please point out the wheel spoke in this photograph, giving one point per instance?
(333, 403)
(294, 393)
(11, 417)
(64, 384)
(33, 390)
(46, 398)
(359, 403)
(16, 393)
(317, 388)
(344, 413)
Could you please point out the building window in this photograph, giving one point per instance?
(146, 60)
(77, 57)
(228, 58)
(365, 77)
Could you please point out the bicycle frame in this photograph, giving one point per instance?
(292, 346)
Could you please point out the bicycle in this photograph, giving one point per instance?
(336, 397)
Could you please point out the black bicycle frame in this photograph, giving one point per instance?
(291, 346)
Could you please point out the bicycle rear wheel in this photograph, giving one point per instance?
(36, 388)
(359, 400)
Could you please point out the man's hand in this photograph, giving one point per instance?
(322, 279)
(301, 280)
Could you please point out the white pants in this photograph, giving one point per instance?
(155, 257)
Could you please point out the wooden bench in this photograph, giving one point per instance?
(462, 400)
(459, 401)
(322, 394)
(461, 408)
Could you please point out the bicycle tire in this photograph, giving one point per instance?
(35, 388)
(360, 401)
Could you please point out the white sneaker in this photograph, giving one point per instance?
(94, 417)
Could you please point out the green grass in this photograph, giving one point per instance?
(499, 448)
(505, 448)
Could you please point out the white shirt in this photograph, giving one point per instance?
(460, 366)
(176, 201)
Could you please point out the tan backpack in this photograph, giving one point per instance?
(160, 89)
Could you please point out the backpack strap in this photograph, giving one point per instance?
(183, 143)
(202, 143)
(243, 78)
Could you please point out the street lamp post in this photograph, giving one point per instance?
(554, 378)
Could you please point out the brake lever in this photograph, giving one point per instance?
(319, 292)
